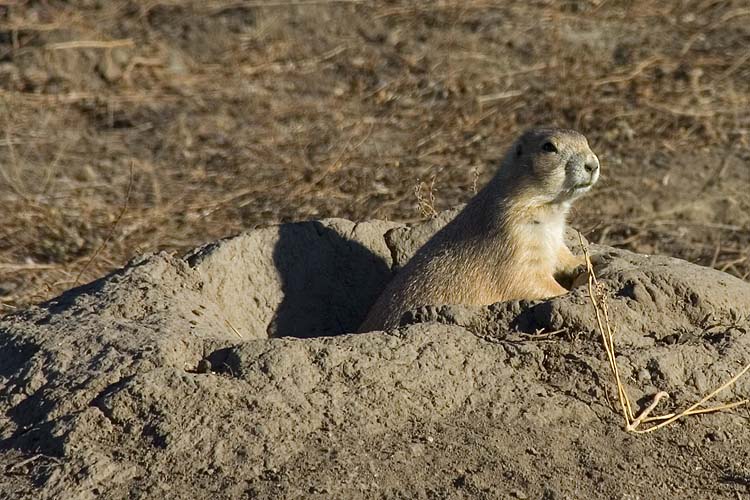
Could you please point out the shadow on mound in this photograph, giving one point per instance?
(303, 280)
(328, 282)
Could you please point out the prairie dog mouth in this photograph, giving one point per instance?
(573, 192)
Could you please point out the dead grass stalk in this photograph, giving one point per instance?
(111, 232)
(633, 423)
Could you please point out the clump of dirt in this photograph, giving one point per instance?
(230, 372)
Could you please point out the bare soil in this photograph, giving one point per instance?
(128, 128)
(228, 373)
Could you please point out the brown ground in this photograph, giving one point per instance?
(168, 380)
(137, 126)
(207, 118)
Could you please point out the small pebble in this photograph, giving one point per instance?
(204, 366)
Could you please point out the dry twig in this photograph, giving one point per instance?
(633, 423)
(231, 327)
(90, 44)
(111, 230)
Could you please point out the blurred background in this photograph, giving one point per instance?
(139, 126)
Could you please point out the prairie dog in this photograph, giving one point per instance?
(507, 243)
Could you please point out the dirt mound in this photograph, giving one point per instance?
(226, 373)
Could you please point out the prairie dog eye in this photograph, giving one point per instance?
(549, 147)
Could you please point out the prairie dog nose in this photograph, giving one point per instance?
(583, 167)
(579, 164)
(591, 165)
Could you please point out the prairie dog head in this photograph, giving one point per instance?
(550, 166)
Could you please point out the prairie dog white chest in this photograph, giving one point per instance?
(540, 239)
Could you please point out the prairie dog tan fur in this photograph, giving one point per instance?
(507, 243)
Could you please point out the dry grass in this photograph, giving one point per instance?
(632, 422)
(233, 114)
(425, 195)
